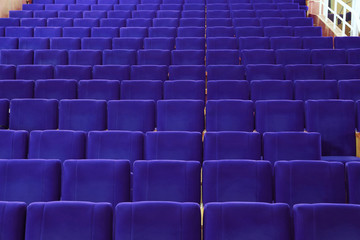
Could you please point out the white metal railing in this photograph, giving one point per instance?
(353, 26)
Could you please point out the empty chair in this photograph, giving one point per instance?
(192, 22)
(85, 57)
(59, 22)
(19, 32)
(254, 43)
(165, 22)
(9, 71)
(249, 31)
(96, 181)
(229, 115)
(173, 145)
(51, 57)
(222, 57)
(57, 144)
(352, 170)
(248, 13)
(300, 21)
(187, 57)
(7, 22)
(179, 220)
(34, 43)
(309, 181)
(132, 115)
(148, 7)
(346, 42)
(138, 32)
(13, 144)
(342, 71)
(73, 72)
(286, 43)
(33, 114)
(115, 145)
(278, 31)
(21, 14)
(70, 14)
(159, 43)
(99, 89)
(79, 7)
(248, 220)
(33, 22)
(349, 89)
(220, 32)
(11, 89)
(85, 115)
(257, 56)
(304, 71)
(289, 13)
(166, 180)
(271, 90)
(191, 32)
(195, 43)
(221, 43)
(307, 31)
(318, 218)
(219, 22)
(237, 180)
(65, 43)
(315, 89)
(119, 57)
(144, 14)
(30, 181)
(142, 90)
(153, 57)
(48, 32)
(279, 115)
(264, 72)
(4, 114)
(168, 14)
(228, 89)
(218, 13)
(109, 32)
(193, 14)
(187, 72)
(273, 22)
(34, 72)
(226, 72)
(69, 220)
(241, 6)
(129, 43)
(293, 56)
(8, 43)
(96, 43)
(184, 90)
(141, 72)
(111, 72)
(102, 7)
(76, 32)
(328, 56)
(45, 14)
(86, 22)
(162, 31)
(317, 42)
(246, 22)
(15, 229)
(112, 22)
(335, 121)
(95, 14)
(120, 14)
(55, 89)
(17, 56)
(232, 145)
(291, 146)
(180, 115)
(353, 56)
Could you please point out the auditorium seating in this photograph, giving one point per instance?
(96, 181)
(166, 180)
(236, 220)
(313, 220)
(138, 107)
(157, 220)
(237, 180)
(69, 220)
